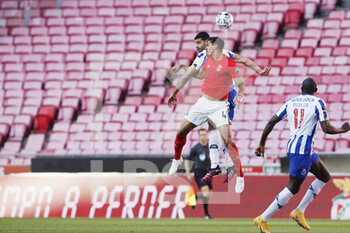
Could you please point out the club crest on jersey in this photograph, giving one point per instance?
(237, 71)
(303, 172)
(219, 68)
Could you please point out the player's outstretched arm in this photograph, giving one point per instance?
(176, 69)
(241, 91)
(259, 151)
(190, 72)
(252, 65)
(200, 74)
(328, 128)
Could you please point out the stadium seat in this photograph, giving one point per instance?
(310, 8)
(4, 130)
(11, 147)
(96, 44)
(285, 52)
(250, 34)
(44, 119)
(271, 27)
(294, 14)
(34, 144)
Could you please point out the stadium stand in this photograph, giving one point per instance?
(90, 77)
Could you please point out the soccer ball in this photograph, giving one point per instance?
(224, 20)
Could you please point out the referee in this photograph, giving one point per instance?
(200, 155)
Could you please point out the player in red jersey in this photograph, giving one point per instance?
(215, 142)
(218, 71)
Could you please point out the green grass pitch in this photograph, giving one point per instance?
(86, 225)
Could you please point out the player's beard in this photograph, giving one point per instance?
(200, 50)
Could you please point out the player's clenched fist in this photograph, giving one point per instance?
(346, 126)
(172, 101)
(259, 151)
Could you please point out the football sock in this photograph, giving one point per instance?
(311, 194)
(214, 151)
(180, 141)
(205, 205)
(281, 199)
(234, 154)
(227, 157)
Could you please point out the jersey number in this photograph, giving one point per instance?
(296, 113)
(224, 114)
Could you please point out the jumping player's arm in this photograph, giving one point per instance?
(191, 71)
(326, 125)
(280, 115)
(241, 91)
(175, 69)
(200, 74)
(238, 79)
(197, 63)
(252, 65)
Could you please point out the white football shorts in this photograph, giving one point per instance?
(204, 110)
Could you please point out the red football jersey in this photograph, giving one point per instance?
(218, 76)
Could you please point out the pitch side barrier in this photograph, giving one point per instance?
(155, 195)
(124, 164)
(336, 162)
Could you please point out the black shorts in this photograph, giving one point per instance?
(198, 175)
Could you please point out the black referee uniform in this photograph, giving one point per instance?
(200, 155)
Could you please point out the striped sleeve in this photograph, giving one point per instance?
(320, 110)
(282, 112)
(199, 61)
(228, 53)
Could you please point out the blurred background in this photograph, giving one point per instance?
(84, 79)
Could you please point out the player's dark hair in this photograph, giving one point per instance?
(202, 35)
(200, 130)
(218, 41)
(309, 86)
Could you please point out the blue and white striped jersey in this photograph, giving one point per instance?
(202, 56)
(302, 112)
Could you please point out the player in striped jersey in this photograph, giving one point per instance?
(303, 113)
(215, 142)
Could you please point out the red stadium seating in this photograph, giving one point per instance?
(44, 118)
(49, 69)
